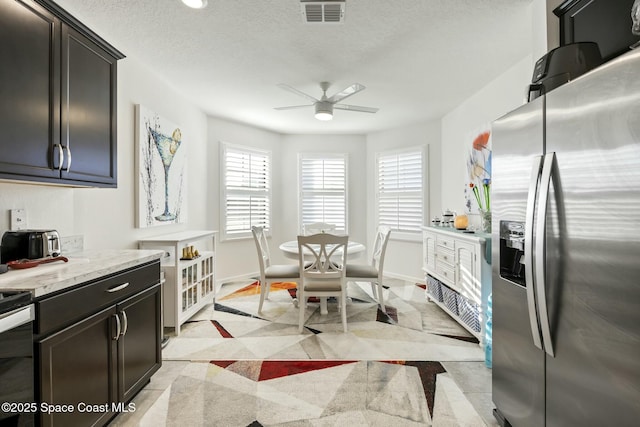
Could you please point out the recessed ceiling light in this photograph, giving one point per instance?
(196, 4)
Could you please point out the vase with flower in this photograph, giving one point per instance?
(484, 203)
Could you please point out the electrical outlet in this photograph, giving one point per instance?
(70, 244)
(18, 219)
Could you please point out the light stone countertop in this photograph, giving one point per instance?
(82, 267)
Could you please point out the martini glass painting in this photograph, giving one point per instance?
(167, 147)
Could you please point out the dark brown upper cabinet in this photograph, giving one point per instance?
(58, 106)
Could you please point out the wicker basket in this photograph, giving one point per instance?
(434, 288)
(469, 313)
(450, 299)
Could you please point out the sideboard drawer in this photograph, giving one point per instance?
(445, 271)
(66, 308)
(445, 255)
(445, 241)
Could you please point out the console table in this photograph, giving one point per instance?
(189, 283)
(457, 267)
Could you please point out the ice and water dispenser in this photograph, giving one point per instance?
(512, 251)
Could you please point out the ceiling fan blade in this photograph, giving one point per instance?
(355, 108)
(297, 92)
(351, 90)
(292, 107)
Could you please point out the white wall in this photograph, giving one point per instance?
(461, 125)
(237, 258)
(355, 147)
(107, 217)
(404, 259)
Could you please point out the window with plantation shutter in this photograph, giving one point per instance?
(323, 189)
(246, 190)
(400, 191)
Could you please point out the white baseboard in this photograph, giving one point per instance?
(404, 277)
(238, 278)
(252, 275)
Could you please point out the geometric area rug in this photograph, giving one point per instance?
(232, 366)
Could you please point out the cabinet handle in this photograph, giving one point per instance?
(68, 168)
(118, 328)
(118, 288)
(60, 156)
(125, 323)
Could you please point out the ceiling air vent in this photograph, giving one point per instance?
(323, 12)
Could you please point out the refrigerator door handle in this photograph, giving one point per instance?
(528, 251)
(540, 274)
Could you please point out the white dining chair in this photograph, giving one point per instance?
(321, 274)
(373, 271)
(318, 227)
(270, 273)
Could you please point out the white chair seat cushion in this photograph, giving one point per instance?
(282, 271)
(361, 270)
(322, 286)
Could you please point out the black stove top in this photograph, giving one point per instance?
(10, 300)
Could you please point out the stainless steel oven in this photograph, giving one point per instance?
(16, 359)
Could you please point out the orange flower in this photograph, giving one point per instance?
(481, 141)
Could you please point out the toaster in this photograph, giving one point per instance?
(29, 244)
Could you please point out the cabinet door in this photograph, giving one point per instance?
(78, 364)
(468, 279)
(29, 90)
(428, 251)
(139, 352)
(88, 110)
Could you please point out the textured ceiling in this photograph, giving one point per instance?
(417, 58)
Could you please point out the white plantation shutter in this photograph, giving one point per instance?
(400, 190)
(323, 189)
(246, 188)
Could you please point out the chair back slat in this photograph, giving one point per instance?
(262, 246)
(322, 256)
(380, 246)
(318, 227)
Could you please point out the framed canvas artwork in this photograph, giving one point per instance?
(477, 187)
(161, 170)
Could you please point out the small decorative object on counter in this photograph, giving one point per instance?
(461, 222)
(447, 218)
(188, 252)
(435, 221)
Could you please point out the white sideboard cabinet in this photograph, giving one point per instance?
(457, 267)
(189, 283)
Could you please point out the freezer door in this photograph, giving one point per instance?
(518, 365)
(593, 248)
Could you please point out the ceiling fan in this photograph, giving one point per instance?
(324, 106)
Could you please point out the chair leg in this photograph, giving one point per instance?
(381, 296)
(302, 307)
(344, 311)
(374, 291)
(264, 291)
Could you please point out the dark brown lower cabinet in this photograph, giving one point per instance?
(139, 353)
(98, 364)
(78, 366)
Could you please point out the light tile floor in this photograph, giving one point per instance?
(212, 374)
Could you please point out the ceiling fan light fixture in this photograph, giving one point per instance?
(195, 4)
(324, 110)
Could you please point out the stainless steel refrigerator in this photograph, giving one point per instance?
(566, 251)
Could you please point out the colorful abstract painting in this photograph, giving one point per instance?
(161, 166)
(477, 187)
